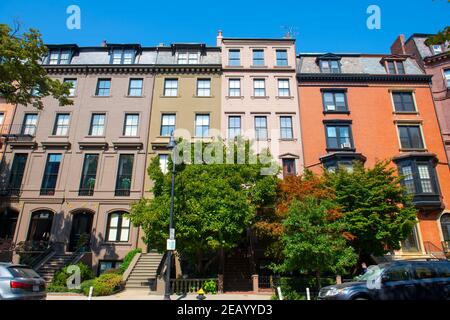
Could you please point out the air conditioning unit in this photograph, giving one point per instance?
(346, 145)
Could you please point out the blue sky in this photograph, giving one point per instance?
(321, 26)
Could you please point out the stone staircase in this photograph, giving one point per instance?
(237, 274)
(55, 263)
(143, 275)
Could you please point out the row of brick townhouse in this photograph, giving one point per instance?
(73, 171)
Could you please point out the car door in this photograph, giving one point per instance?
(443, 280)
(397, 283)
(425, 279)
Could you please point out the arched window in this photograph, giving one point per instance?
(118, 227)
(445, 226)
(8, 221)
(40, 225)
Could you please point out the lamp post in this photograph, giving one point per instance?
(171, 146)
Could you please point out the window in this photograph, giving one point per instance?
(135, 88)
(410, 137)
(234, 126)
(50, 174)
(447, 77)
(283, 88)
(103, 87)
(167, 124)
(445, 226)
(97, 124)
(164, 163)
(436, 48)
(192, 58)
(330, 66)
(282, 60)
(17, 172)
(123, 56)
(40, 226)
(395, 67)
(424, 271)
(234, 57)
(61, 127)
(418, 177)
(288, 167)
(397, 273)
(59, 56)
(118, 227)
(286, 127)
(187, 58)
(234, 87)
(204, 87)
(411, 243)
(105, 265)
(73, 89)
(88, 175)
(403, 101)
(259, 87)
(131, 125)
(338, 136)
(258, 57)
(334, 101)
(170, 87)
(182, 58)
(124, 175)
(2, 118)
(29, 124)
(261, 128)
(202, 125)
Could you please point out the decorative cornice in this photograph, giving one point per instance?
(174, 69)
(437, 57)
(53, 144)
(128, 145)
(363, 77)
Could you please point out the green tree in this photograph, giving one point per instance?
(214, 205)
(376, 210)
(440, 38)
(313, 241)
(21, 71)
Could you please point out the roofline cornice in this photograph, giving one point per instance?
(351, 77)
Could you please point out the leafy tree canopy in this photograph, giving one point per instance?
(21, 71)
(440, 38)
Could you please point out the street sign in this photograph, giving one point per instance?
(172, 233)
(170, 244)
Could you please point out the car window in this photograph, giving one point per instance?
(424, 272)
(4, 272)
(443, 269)
(23, 272)
(396, 273)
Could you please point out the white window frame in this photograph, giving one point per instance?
(172, 90)
(259, 88)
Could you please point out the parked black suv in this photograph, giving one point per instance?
(399, 280)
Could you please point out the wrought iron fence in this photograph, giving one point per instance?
(180, 286)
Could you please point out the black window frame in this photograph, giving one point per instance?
(32, 126)
(56, 127)
(125, 125)
(334, 92)
(400, 108)
(168, 126)
(50, 177)
(322, 70)
(85, 176)
(232, 129)
(395, 64)
(414, 165)
(339, 124)
(122, 55)
(119, 227)
(291, 128)
(74, 88)
(410, 141)
(97, 89)
(286, 59)
(135, 88)
(261, 61)
(266, 129)
(20, 161)
(119, 189)
(59, 51)
(92, 124)
(230, 59)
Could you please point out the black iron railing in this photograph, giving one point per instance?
(122, 192)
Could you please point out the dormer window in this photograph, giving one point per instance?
(395, 67)
(123, 56)
(329, 66)
(59, 56)
(436, 48)
(187, 58)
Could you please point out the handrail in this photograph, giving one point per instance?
(446, 246)
(161, 265)
(433, 250)
(76, 254)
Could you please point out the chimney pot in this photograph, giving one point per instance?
(103, 43)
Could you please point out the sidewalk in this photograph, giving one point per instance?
(139, 294)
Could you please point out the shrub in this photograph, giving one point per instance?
(127, 260)
(105, 285)
(54, 288)
(210, 286)
(60, 278)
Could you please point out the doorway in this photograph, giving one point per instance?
(80, 233)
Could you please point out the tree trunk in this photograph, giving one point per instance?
(319, 283)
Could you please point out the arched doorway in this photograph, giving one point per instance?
(445, 226)
(40, 226)
(80, 233)
(8, 222)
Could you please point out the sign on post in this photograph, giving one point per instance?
(170, 244)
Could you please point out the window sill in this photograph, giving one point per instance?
(196, 96)
(340, 149)
(129, 137)
(405, 112)
(162, 96)
(94, 96)
(413, 150)
(260, 97)
(336, 112)
(94, 137)
(128, 96)
(259, 67)
(263, 140)
(284, 97)
(234, 97)
(282, 67)
(234, 66)
(288, 140)
(54, 136)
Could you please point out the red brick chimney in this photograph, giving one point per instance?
(398, 47)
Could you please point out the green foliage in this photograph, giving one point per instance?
(376, 210)
(214, 204)
(313, 241)
(21, 70)
(210, 286)
(128, 258)
(55, 288)
(105, 285)
(60, 278)
(440, 38)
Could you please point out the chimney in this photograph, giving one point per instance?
(103, 44)
(398, 47)
(219, 38)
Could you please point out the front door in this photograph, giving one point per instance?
(81, 230)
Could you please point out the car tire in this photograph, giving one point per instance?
(360, 298)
